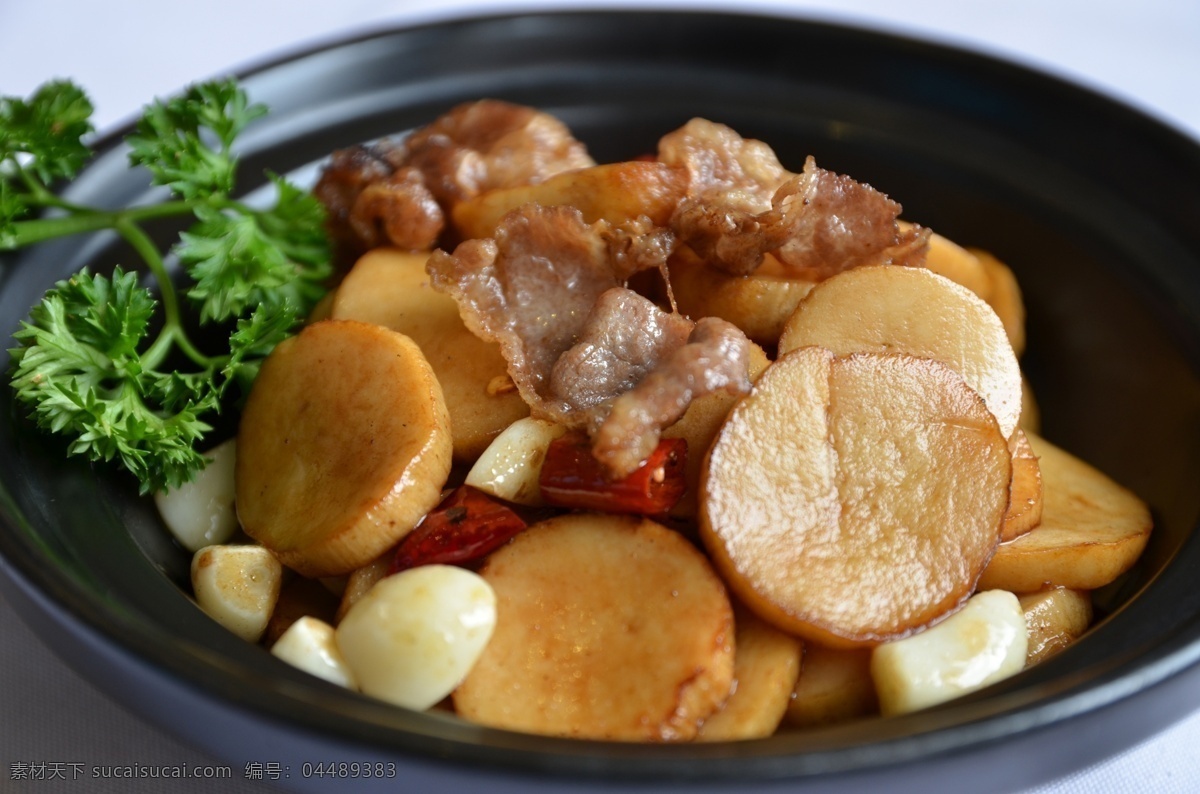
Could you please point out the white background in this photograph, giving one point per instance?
(129, 51)
(125, 52)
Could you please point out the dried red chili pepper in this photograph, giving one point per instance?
(467, 525)
(571, 477)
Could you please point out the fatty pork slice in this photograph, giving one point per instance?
(636, 369)
(742, 204)
(719, 161)
(713, 356)
(548, 288)
(399, 192)
(624, 337)
(372, 200)
(530, 289)
(489, 144)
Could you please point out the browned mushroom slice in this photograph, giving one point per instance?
(607, 628)
(343, 446)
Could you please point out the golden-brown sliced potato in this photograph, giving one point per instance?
(1054, 619)
(343, 446)
(1005, 298)
(360, 581)
(852, 500)
(1092, 530)
(766, 664)
(960, 265)
(699, 426)
(608, 627)
(985, 275)
(759, 303)
(1025, 499)
(615, 192)
(890, 309)
(323, 308)
(834, 686)
(390, 288)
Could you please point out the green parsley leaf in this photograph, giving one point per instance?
(297, 224)
(185, 142)
(12, 208)
(111, 315)
(78, 367)
(44, 135)
(85, 364)
(241, 258)
(179, 390)
(254, 339)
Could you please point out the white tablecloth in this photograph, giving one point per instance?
(126, 52)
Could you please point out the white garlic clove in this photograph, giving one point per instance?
(982, 643)
(309, 644)
(201, 512)
(414, 636)
(511, 465)
(237, 586)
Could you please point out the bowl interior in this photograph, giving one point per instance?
(1091, 204)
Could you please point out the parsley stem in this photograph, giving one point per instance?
(35, 231)
(172, 332)
(84, 364)
(175, 335)
(83, 220)
(42, 196)
(34, 185)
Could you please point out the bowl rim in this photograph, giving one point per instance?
(38, 585)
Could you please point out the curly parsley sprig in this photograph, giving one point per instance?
(85, 363)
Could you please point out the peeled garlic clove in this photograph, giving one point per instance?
(309, 644)
(982, 643)
(415, 635)
(237, 586)
(200, 513)
(509, 468)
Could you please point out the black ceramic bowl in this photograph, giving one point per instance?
(1093, 205)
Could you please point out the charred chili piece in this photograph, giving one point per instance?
(572, 477)
(466, 526)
